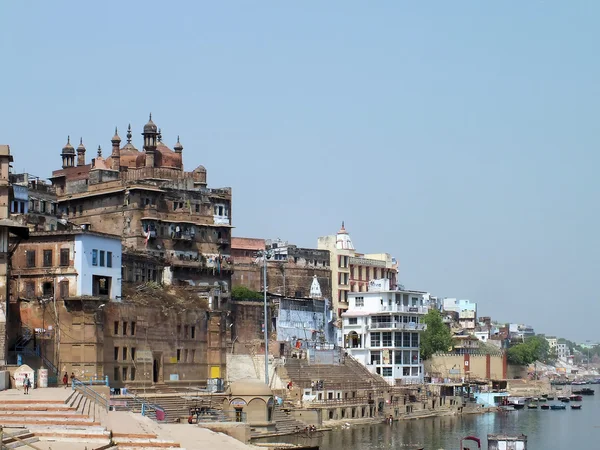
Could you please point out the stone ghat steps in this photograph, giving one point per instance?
(176, 406)
(25, 437)
(142, 441)
(335, 377)
(36, 407)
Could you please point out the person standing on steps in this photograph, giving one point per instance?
(26, 384)
(66, 380)
(72, 378)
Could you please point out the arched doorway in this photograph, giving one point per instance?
(353, 340)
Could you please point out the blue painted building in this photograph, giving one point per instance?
(98, 263)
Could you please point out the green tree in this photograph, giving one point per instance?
(534, 348)
(437, 336)
(243, 293)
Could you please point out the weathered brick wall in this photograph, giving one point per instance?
(298, 279)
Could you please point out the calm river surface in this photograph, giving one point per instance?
(546, 430)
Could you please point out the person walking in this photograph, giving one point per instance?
(72, 377)
(66, 380)
(26, 384)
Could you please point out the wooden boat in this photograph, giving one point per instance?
(557, 407)
(584, 391)
(545, 406)
(532, 406)
(575, 406)
(542, 399)
(545, 395)
(563, 399)
(550, 397)
(575, 398)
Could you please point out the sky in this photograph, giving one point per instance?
(461, 137)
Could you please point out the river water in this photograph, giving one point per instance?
(545, 430)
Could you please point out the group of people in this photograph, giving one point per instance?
(66, 379)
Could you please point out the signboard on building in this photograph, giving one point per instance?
(382, 284)
(386, 357)
(144, 356)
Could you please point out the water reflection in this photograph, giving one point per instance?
(545, 430)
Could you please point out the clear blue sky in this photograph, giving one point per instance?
(462, 137)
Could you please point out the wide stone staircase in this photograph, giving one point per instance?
(18, 439)
(142, 442)
(76, 420)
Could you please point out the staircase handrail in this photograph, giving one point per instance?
(78, 385)
(38, 353)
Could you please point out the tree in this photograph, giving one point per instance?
(534, 348)
(243, 293)
(437, 336)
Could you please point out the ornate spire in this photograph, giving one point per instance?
(81, 147)
(159, 136)
(129, 134)
(178, 147)
(116, 138)
(99, 152)
(68, 145)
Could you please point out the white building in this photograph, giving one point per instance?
(466, 309)
(562, 350)
(382, 330)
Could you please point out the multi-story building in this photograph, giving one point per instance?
(64, 264)
(520, 332)
(352, 271)
(160, 210)
(290, 269)
(552, 342)
(562, 350)
(467, 312)
(35, 203)
(7, 227)
(382, 330)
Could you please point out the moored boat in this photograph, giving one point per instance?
(557, 407)
(550, 397)
(575, 406)
(584, 391)
(563, 399)
(532, 406)
(545, 406)
(575, 398)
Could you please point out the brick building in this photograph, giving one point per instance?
(160, 209)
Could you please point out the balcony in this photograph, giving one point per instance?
(187, 237)
(397, 326)
(223, 241)
(405, 309)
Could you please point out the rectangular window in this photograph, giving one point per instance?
(124, 373)
(197, 207)
(94, 257)
(133, 328)
(352, 321)
(397, 339)
(116, 328)
(193, 355)
(406, 340)
(47, 258)
(30, 258)
(64, 256)
(124, 353)
(185, 355)
(132, 353)
(415, 340)
(387, 338)
(108, 259)
(132, 373)
(124, 328)
(386, 372)
(116, 353)
(178, 330)
(116, 374)
(178, 355)
(102, 258)
(29, 289)
(193, 330)
(398, 357)
(375, 357)
(185, 331)
(375, 339)
(359, 301)
(63, 289)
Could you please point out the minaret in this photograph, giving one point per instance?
(68, 154)
(178, 147)
(129, 134)
(150, 135)
(116, 152)
(81, 153)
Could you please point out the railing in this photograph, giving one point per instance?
(147, 409)
(101, 401)
(221, 416)
(98, 381)
(397, 326)
(37, 352)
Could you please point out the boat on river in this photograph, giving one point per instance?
(584, 391)
(557, 407)
(575, 398)
(532, 406)
(575, 406)
(563, 399)
(545, 406)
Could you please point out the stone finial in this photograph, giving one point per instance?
(129, 134)
(99, 152)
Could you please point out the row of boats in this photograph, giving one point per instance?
(514, 403)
